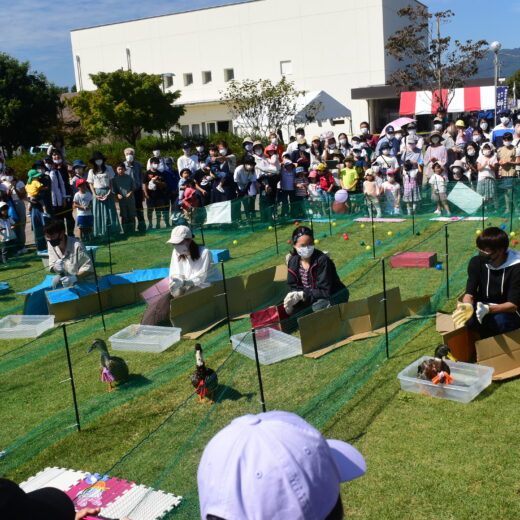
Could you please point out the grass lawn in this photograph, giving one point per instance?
(426, 458)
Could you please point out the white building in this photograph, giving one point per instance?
(328, 45)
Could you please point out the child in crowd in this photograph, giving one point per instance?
(185, 175)
(487, 165)
(371, 191)
(190, 199)
(314, 193)
(300, 184)
(438, 183)
(83, 203)
(124, 188)
(7, 233)
(392, 194)
(327, 186)
(411, 191)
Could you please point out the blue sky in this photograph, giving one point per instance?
(38, 30)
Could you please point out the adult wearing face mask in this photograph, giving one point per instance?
(200, 151)
(135, 170)
(506, 156)
(390, 139)
(191, 268)
(68, 257)
(438, 125)
(274, 140)
(370, 139)
(331, 147)
(99, 179)
(15, 189)
(300, 156)
(267, 171)
(435, 153)
(312, 277)
(187, 159)
(470, 160)
(483, 124)
(162, 161)
(226, 157)
(300, 134)
(61, 192)
(247, 145)
(245, 180)
(411, 131)
(492, 300)
(504, 126)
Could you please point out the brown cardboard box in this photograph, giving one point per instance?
(460, 340)
(501, 352)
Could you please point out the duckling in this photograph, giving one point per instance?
(436, 369)
(204, 379)
(113, 368)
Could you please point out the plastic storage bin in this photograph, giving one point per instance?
(22, 326)
(145, 338)
(273, 345)
(469, 381)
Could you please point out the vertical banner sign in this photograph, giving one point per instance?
(502, 95)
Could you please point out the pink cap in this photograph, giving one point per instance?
(271, 148)
(274, 466)
(189, 192)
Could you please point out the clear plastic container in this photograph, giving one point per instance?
(273, 345)
(25, 326)
(469, 381)
(145, 338)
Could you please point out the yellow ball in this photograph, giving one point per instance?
(362, 226)
(478, 231)
(316, 241)
(513, 234)
(270, 228)
(374, 226)
(390, 233)
(334, 224)
(368, 248)
(235, 242)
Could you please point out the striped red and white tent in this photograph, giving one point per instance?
(460, 100)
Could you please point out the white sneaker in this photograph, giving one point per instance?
(23, 251)
(437, 212)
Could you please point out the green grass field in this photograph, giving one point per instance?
(426, 458)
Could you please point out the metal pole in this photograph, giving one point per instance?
(202, 235)
(226, 299)
(495, 83)
(483, 213)
(330, 219)
(413, 213)
(97, 290)
(71, 377)
(312, 226)
(446, 235)
(373, 230)
(109, 248)
(512, 205)
(385, 308)
(259, 373)
(276, 233)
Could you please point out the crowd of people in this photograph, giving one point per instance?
(388, 174)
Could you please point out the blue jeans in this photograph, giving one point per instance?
(494, 324)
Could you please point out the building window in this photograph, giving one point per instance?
(168, 81)
(195, 129)
(286, 68)
(185, 130)
(188, 79)
(212, 128)
(206, 77)
(229, 74)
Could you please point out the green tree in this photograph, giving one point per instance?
(262, 106)
(431, 61)
(513, 82)
(125, 104)
(28, 105)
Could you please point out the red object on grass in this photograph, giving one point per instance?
(411, 259)
(515, 242)
(345, 236)
(296, 223)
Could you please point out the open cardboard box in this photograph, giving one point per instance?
(336, 326)
(502, 352)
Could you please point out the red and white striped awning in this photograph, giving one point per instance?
(460, 100)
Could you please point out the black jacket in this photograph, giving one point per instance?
(324, 278)
(495, 284)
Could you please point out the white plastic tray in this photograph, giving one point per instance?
(25, 326)
(145, 338)
(273, 345)
(469, 381)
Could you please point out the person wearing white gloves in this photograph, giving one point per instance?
(312, 276)
(68, 257)
(491, 304)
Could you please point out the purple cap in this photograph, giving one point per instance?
(275, 466)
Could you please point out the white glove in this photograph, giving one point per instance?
(462, 314)
(482, 310)
(68, 281)
(292, 299)
(58, 266)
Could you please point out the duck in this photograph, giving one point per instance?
(204, 379)
(113, 368)
(436, 369)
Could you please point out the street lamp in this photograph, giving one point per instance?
(166, 75)
(495, 48)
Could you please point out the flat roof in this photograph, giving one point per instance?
(167, 14)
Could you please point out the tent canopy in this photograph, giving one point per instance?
(320, 106)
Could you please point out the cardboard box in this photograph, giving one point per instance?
(411, 259)
(220, 255)
(460, 340)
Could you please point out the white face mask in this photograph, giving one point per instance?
(484, 126)
(436, 141)
(342, 142)
(477, 138)
(364, 130)
(305, 251)
(332, 146)
(274, 141)
(223, 151)
(156, 153)
(181, 249)
(508, 143)
(41, 170)
(248, 147)
(398, 136)
(258, 151)
(486, 152)
(200, 149)
(437, 126)
(390, 136)
(58, 161)
(98, 162)
(302, 148)
(386, 151)
(471, 152)
(391, 180)
(504, 120)
(8, 179)
(153, 167)
(300, 136)
(129, 158)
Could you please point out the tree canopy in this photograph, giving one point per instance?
(28, 105)
(430, 60)
(125, 104)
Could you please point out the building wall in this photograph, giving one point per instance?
(333, 45)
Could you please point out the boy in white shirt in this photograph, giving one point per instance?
(438, 185)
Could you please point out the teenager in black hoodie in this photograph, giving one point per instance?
(311, 276)
(493, 287)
